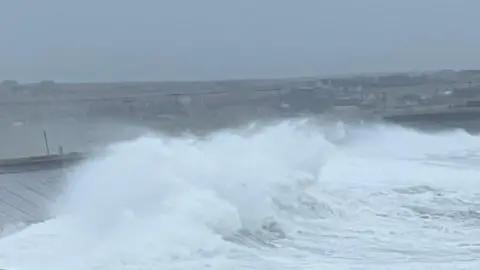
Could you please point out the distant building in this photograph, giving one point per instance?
(468, 75)
(470, 92)
(411, 99)
(446, 75)
(10, 85)
(47, 85)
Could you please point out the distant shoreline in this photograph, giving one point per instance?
(242, 80)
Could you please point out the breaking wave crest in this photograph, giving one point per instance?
(271, 197)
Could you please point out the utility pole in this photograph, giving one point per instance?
(46, 142)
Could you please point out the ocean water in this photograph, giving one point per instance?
(291, 195)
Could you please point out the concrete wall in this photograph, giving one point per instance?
(26, 197)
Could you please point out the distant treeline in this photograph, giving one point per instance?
(371, 81)
(403, 79)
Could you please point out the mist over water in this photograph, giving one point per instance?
(290, 195)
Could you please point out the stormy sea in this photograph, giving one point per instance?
(291, 194)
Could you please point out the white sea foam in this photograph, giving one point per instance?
(287, 196)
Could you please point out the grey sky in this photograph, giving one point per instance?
(119, 40)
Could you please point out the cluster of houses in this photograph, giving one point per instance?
(285, 95)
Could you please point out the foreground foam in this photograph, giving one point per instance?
(172, 194)
(272, 197)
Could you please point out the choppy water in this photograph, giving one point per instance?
(288, 196)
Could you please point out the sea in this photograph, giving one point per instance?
(292, 194)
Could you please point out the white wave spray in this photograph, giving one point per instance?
(278, 197)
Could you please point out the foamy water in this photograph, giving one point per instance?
(288, 196)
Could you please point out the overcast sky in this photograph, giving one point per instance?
(125, 40)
